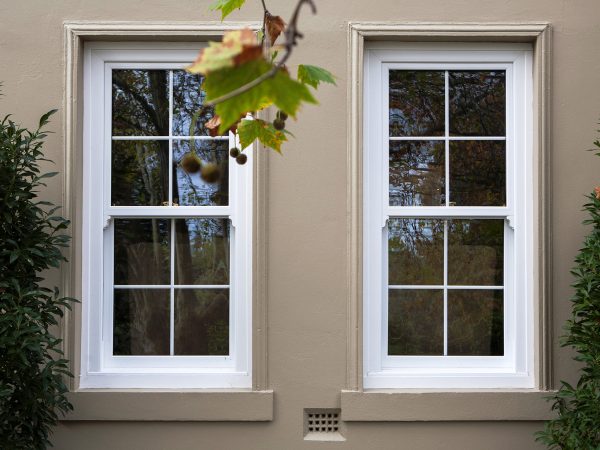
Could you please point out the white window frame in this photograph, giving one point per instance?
(516, 368)
(99, 368)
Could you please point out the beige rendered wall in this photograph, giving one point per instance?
(307, 269)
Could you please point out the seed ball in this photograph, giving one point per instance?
(279, 124)
(234, 152)
(241, 159)
(282, 115)
(191, 163)
(210, 173)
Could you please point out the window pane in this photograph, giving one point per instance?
(416, 251)
(142, 251)
(202, 251)
(201, 321)
(188, 98)
(140, 175)
(477, 103)
(416, 103)
(140, 102)
(188, 188)
(476, 252)
(475, 322)
(417, 173)
(477, 173)
(141, 322)
(416, 322)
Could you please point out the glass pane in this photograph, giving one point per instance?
(140, 175)
(140, 102)
(201, 321)
(188, 98)
(477, 103)
(142, 251)
(416, 322)
(476, 252)
(202, 251)
(475, 322)
(477, 173)
(416, 251)
(416, 103)
(417, 173)
(188, 188)
(141, 322)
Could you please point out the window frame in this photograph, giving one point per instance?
(515, 368)
(98, 368)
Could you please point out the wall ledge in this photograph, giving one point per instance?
(434, 405)
(171, 405)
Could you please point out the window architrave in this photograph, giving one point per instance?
(358, 402)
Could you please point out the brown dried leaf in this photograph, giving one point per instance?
(213, 125)
(275, 26)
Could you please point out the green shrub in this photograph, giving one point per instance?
(577, 426)
(32, 370)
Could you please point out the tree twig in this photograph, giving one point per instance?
(291, 40)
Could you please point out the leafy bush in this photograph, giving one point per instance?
(577, 426)
(32, 370)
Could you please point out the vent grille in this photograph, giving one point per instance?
(322, 425)
(323, 422)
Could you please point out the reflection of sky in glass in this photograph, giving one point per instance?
(202, 251)
(191, 190)
(188, 98)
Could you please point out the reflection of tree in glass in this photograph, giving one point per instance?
(416, 322)
(416, 103)
(202, 322)
(192, 190)
(137, 174)
(201, 257)
(475, 322)
(142, 256)
(140, 103)
(207, 246)
(477, 103)
(142, 251)
(416, 251)
(478, 173)
(141, 322)
(476, 252)
(140, 107)
(417, 173)
(188, 98)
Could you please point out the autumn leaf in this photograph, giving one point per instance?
(226, 6)
(250, 130)
(314, 75)
(287, 94)
(213, 126)
(274, 26)
(237, 47)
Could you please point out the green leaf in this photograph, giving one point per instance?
(46, 117)
(313, 75)
(226, 6)
(48, 175)
(250, 130)
(280, 89)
